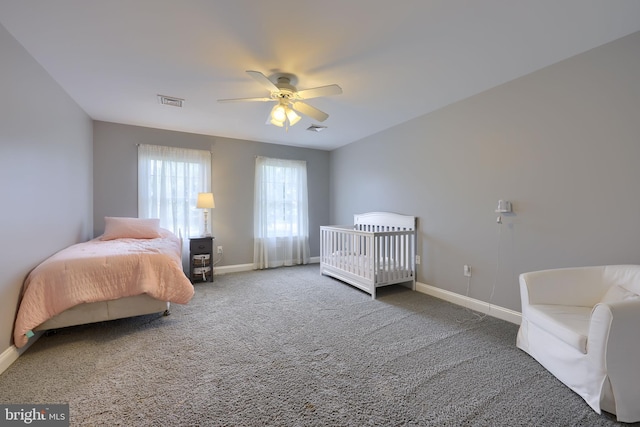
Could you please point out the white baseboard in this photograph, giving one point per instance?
(7, 357)
(471, 303)
(225, 269)
(11, 354)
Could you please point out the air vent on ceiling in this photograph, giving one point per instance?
(170, 100)
(316, 128)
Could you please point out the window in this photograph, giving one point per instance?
(281, 219)
(169, 180)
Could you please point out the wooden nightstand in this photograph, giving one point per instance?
(201, 259)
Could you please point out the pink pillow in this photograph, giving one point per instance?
(130, 228)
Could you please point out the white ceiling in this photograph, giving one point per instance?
(395, 60)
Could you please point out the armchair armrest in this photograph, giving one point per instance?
(580, 286)
(614, 345)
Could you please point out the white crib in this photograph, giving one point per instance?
(378, 250)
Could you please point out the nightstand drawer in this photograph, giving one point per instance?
(201, 245)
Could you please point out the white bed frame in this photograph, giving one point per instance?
(378, 250)
(106, 310)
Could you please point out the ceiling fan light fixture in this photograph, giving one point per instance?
(282, 115)
(278, 113)
(292, 116)
(276, 123)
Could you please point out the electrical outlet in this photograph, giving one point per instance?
(467, 270)
(417, 259)
(219, 249)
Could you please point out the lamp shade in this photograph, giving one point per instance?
(205, 201)
(292, 116)
(279, 113)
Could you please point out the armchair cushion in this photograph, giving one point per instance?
(567, 323)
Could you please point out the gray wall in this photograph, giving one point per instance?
(45, 173)
(563, 144)
(115, 181)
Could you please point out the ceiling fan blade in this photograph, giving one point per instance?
(310, 111)
(246, 99)
(263, 80)
(320, 91)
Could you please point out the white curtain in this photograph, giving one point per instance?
(281, 213)
(169, 180)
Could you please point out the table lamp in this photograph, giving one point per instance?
(206, 202)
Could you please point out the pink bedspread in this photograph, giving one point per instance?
(101, 271)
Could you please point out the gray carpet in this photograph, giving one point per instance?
(289, 347)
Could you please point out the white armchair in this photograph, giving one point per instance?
(583, 325)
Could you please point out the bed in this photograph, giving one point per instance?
(130, 270)
(378, 250)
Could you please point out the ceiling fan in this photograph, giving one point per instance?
(288, 98)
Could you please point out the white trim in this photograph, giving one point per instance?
(11, 354)
(471, 303)
(226, 269)
(7, 357)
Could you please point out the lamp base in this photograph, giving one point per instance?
(206, 224)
